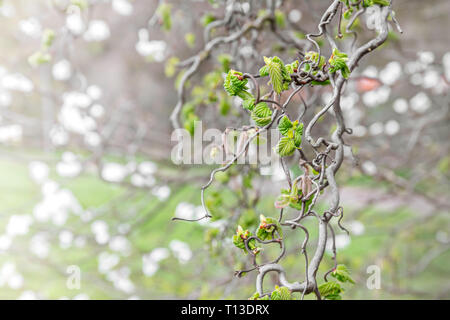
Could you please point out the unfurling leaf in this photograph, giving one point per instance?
(267, 227)
(235, 84)
(285, 147)
(331, 290)
(239, 240)
(281, 293)
(164, 13)
(342, 274)
(261, 114)
(298, 132)
(338, 61)
(284, 125)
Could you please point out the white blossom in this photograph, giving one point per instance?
(98, 30)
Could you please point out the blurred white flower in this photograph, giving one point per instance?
(149, 266)
(420, 102)
(426, 57)
(369, 168)
(16, 82)
(446, 64)
(370, 72)
(147, 167)
(120, 244)
(38, 171)
(77, 99)
(155, 49)
(7, 270)
(68, 169)
(58, 136)
(376, 128)
(412, 67)
(342, 241)
(107, 261)
(5, 242)
(159, 254)
(161, 192)
(391, 73)
(75, 24)
(376, 97)
(7, 10)
(5, 98)
(122, 7)
(65, 239)
(137, 180)
(98, 30)
(100, 230)
(92, 139)
(11, 133)
(95, 92)
(359, 131)
(114, 172)
(185, 210)
(431, 79)
(392, 127)
(15, 281)
(73, 120)
(349, 101)
(31, 27)
(120, 279)
(400, 105)
(28, 295)
(80, 242)
(294, 15)
(19, 224)
(97, 110)
(40, 246)
(56, 204)
(81, 296)
(356, 227)
(62, 70)
(181, 251)
(416, 79)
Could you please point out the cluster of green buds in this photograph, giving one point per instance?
(292, 136)
(338, 61)
(266, 228)
(239, 241)
(43, 56)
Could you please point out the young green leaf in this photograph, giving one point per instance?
(276, 74)
(284, 125)
(331, 290)
(285, 147)
(249, 104)
(342, 274)
(281, 293)
(298, 132)
(261, 114)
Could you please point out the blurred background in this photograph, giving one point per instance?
(86, 181)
